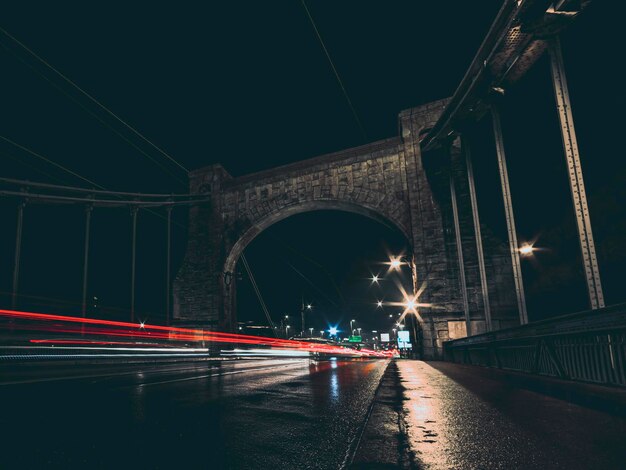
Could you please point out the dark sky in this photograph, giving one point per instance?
(247, 84)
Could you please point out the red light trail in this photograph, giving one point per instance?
(117, 329)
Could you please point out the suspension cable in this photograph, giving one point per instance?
(258, 294)
(94, 100)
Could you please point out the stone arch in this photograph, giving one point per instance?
(268, 219)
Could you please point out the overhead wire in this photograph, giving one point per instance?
(91, 113)
(102, 106)
(258, 294)
(335, 72)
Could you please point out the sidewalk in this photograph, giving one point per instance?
(384, 441)
(440, 415)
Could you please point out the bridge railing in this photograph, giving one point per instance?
(588, 346)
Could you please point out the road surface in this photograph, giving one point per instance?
(275, 413)
(295, 414)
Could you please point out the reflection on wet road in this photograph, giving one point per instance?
(459, 418)
(285, 413)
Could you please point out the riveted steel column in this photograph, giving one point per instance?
(133, 214)
(577, 185)
(18, 250)
(478, 235)
(510, 219)
(168, 265)
(88, 210)
(459, 248)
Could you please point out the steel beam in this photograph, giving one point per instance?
(18, 250)
(88, 211)
(459, 249)
(510, 219)
(168, 272)
(577, 185)
(478, 235)
(133, 214)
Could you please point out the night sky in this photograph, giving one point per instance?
(248, 85)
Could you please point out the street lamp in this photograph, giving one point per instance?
(287, 331)
(321, 333)
(311, 332)
(375, 279)
(308, 307)
(379, 304)
(526, 249)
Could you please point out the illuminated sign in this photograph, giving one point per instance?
(404, 341)
(384, 337)
(355, 339)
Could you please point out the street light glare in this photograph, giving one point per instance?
(379, 303)
(375, 279)
(309, 306)
(395, 263)
(333, 331)
(526, 249)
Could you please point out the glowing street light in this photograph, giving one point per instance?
(311, 332)
(352, 324)
(375, 278)
(379, 304)
(332, 331)
(526, 249)
(395, 263)
(309, 306)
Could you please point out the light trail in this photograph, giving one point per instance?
(62, 324)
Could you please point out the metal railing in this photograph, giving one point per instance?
(587, 346)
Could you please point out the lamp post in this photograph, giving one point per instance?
(311, 332)
(307, 307)
(352, 325)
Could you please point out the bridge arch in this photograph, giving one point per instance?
(386, 181)
(267, 220)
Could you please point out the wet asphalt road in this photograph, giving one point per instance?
(275, 413)
(458, 417)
